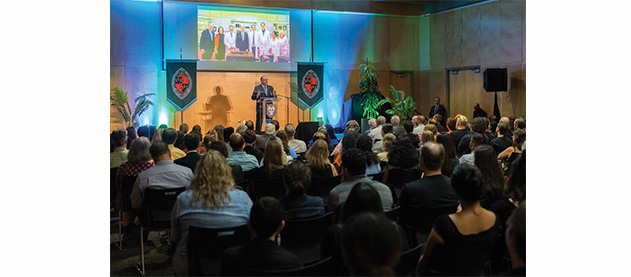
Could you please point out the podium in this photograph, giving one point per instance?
(268, 107)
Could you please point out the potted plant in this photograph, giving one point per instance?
(401, 106)
(369, 91)
(121, 103)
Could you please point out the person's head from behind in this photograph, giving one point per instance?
(227, 132)
(479, 125)
(427, 136)
(240, 129)
(432, 128)
(388, 139)
(184, 128)
(143, 131)
(403, 153)
(477, 139)
(372, 122)
(352, 125)
(451, 123)
(317, 155)
(519, 137)
(169, 135)
(159, 151)
(432, 156)
(520, 124)
(212, 180)
(408, 126)
(349, 140)
(364, 143)
(197, 129)
(119, 137)
(191, 141)
(502, 128)
(219, 147)
(466, 180)
(297, 178)
(354, 162)
(274, 156)
(250, 124)
(290, 129)
(267, 218)
(270, 129)
(371, 245)
(219, 130)
(381, 120)
(462, 122)
(515, 187)
(276, 125)
(249, 136)
(386, 129)
(236, 142)
(282, 135)
(139, 151)
(486, 160)
(362, 198)
(516, 235)
(395, 120)
(319, 136)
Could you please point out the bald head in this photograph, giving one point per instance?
(236, 142)
(432, 156)
(505, 119)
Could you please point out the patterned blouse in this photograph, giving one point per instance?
(127, 169)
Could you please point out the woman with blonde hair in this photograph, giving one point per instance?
(273, 162)
(290, 152)
(318, 161)
(387, 143)
(427, 136)
(211, 201)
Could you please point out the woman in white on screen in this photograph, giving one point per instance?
(275, 46)
(284, 45)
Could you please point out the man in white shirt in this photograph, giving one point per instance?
(375, 134)
(298, 145)
(419, 124)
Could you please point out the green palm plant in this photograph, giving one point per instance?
(369, 89)
(121, 103)
(401, 106)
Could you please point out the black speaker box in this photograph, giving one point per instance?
(495, 79)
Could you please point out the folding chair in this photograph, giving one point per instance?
(317, 268)
(273, 188)
(206, 245)
(322, 186)
(303, 236)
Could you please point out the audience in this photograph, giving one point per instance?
(250, 124)
(409, 133)
(501, 142)
(131, 136)
(461, 243)
(266, 222)
(387, 144)
(516, 241)
(227, 132)
(238, 156)
(451, 159)
(297, 204)
(476, 140)
(375, 134)
(419, 124)
(478, 125)
(184, 128)
(289, 152)
(169, 136)
(403, 155)
(273, 163)
(354, 163)
(377, 146)
(261, 141)
(348, 142)
(219, 129)
(451, 125)
(318, 161)
(461, 130)
(191, 141)
(364, 143)
(427, 135)
(119, 137)
(298, 145)
(164, 175)
(511, 154)
(250, 138)
(397, 129)
(492, 177)
(520, 124)
(211, 202)
(179, 141)
(237, 170)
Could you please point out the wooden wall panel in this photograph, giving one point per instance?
(437, 41)
(490, 39)
(512, 17)
(453, 38)
(403, 33)
(471, 36)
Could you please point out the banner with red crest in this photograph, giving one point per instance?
(310, 83)
(181, 82)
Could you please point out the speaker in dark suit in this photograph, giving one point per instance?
(262, 90)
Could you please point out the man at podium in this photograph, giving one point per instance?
(262, 90)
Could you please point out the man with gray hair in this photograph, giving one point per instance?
(298, 145)
(397, 129)
(261, 140)
(372, 123)
(375, 134)
(520, 124)
(119, 138)
(419, 124)
(506, 120)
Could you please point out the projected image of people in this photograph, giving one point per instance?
(249, 37)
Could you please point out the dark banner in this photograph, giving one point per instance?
(310, 83)
(181, 82)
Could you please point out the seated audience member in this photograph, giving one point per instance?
(131, 136)
(138, 160)
(143, 131)
(419, 124)
(266, 222)
(289, 152)
(364, 143)
(219, 129)
(191, 141)
(461, 243)
(511, 154)
(169, 136)
(227, 132)
(397, 129)
(501, 142)
(375, 134)
(432, 128)
(451, 159)
(489, 133)
(514, 190)
(297, 204)
(165, 174)
(519, 124)
(372, 123)
(433, 190)
(387, 144)
(427, 136)
(351, 125)
(354, 163)
(152, 132)
(157, 135)
(478, 125)
(403, 155)
(250, 138)
(409, 133)
(348, 142)
(438, 123)
(318, 161)
(516, 241)
(461, 130)
(197, 129)
(250, 124)
(261, 141)
(119, 137)
(240, 129)
(237, 170)
(377, 146)
(184, 128)
(451, 125)
(179, 141)
(276, 125)
(211, 202)
(211, 136)
(238, 157)
(492, 177)
(273, 163)
(298, 145)
(476, 140)
(331, 133)
(371, 245)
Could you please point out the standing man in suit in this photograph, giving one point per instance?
(437, 108)
(191, 141)
(207, 42)
(253, 38)
(262, 90)
(243, 40)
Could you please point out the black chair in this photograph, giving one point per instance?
(422, 219)
(317, 268)
(303, 236)
(157, 205)
(113, 186)
(243, 185)
(126, 186)
(397, 178)
(205, 246)
(273, 188)
(408, 261)
(377, 177)
(394, 213)
(322, 186)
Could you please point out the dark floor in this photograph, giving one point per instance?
(123, 262)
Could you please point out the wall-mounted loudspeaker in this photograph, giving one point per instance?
(495, 79)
